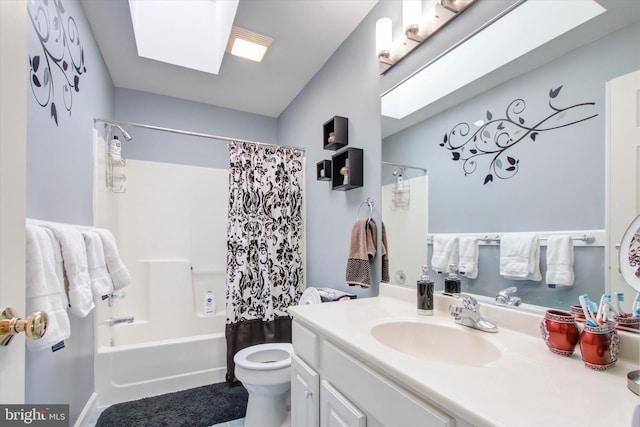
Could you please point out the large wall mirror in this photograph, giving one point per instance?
(525, 150)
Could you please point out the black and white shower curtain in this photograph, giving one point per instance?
(264, 245)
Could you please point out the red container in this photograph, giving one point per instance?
(627, 322)
(560, 331)
(577, 311)
(600, 346)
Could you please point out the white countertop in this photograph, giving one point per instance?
(526, 386)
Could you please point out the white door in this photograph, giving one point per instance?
(623, 134)
(305, 394)
(337, 411)
(13, 129)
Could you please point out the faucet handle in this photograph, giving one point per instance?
(469, 302)
(504, 297)
(455, 310)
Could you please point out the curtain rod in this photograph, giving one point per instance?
(404, 166)
(185, 132)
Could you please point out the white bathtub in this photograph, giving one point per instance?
(133, 369)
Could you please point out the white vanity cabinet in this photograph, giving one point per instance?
(305, 394)
(351, 394)
(337, 411)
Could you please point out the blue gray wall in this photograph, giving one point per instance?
(350, 85)
(59, 188)
(158, 110)
(560, 184)
(346, 86)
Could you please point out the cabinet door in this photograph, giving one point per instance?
(305, 396)
(337, 411)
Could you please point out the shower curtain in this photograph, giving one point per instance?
(264, 245)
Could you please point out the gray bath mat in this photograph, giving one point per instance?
(195, 407)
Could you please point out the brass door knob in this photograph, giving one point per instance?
(10, 324)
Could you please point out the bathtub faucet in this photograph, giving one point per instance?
(114, 295)
(117, 321)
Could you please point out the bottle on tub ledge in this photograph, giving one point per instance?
(209, 303)
(452, 284)
(425, 293)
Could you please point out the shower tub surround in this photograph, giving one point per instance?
(142, 368)
(336, 341)
(173, 241)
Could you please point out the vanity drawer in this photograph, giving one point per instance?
(306, 344)
(377, 396)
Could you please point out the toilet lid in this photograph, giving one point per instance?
(310, 296)
(264, 357)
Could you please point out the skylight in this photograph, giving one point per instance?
(188, 33)
(527, 27)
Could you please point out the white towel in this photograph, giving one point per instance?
(119, 274)
(520, 257)
(59, 264)
(468, 259)
(74, 255)
(559, 261)
(101, 283)
(44, 289)
(445, 252)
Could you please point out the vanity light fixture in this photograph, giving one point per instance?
(248, 45)
(384, 40)
(417, 27)
(411, 15)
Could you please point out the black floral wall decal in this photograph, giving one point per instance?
(497, 136)
(60, 58)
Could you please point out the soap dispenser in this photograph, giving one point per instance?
(452, 281)
(425, 293)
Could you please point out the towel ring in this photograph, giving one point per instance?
(368, 202)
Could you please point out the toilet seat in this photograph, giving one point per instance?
(264, 357)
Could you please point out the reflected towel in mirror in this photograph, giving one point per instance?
(468, 260)
(559, 261)
(445, 252)
(520, 257)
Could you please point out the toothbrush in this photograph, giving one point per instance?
(619, 299)
(587, 313)
(635, 311)
(591, 307)
(601, 307)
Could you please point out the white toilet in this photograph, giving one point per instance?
(265, 371)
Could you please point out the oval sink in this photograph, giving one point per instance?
(438, 343)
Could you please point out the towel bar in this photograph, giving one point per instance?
(368, 202)
(583, 238)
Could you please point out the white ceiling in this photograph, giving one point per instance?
(306, 33)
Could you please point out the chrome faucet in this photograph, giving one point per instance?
(504, 297)
(469, 314)
(117, 321)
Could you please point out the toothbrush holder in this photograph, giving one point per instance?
(560, 332)
(600, 346)
(627, 322)
(576, 310)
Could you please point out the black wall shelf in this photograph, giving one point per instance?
(335, 133)
(352, 157)
(323, 170)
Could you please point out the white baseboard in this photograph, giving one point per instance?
(86, 416)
